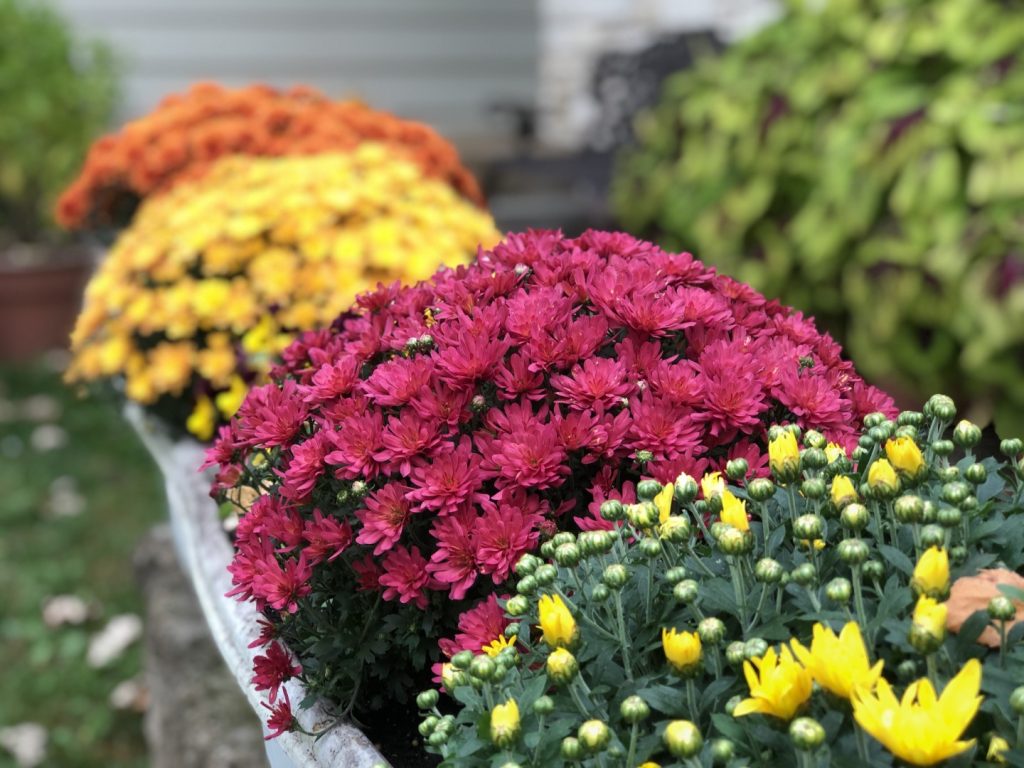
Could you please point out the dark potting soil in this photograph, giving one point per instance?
(393, 732)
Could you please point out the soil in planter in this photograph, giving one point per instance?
(393, 732)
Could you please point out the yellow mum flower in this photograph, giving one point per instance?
(904, 454)
(839, 664)
(882, 478)
(203, 419)
(682, 650)
(556, 622)
(229, 401)
(734, 512)
(784, 456)
(712, 484)
(779, 685)
(843, 492)
(920, 728)
(931, 574)
(505, 723)
(834, 452)
(663, 501)
(498, 644)
(253, 252)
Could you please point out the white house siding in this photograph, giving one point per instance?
(574, 33)
(441, 61)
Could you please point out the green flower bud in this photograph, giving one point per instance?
(686, 591)
(562, 666)
(908, 508)
(650, 547)
(634, 710)
(1001, 608)
(722, 751)
(932, 536)
(873, 419)
(600, 593)
(838, 590)
(686, 489)
(853, 551)
(426, 699)
(969, 504)
(646, 490)
(808, 527)
(949, 517)
(907, 670)
(615, 576)
(940, 407)
(571, 748)
(879, 434)
(711, 631)
(643, 457)
(545, 575)
(527, 586)
(761, 489)
(910, 419)
(594, 735)
(512, 630)
(806, 733)
(563, 537)
(462, 659)
(814, 439)
(517, 605)
(943, 447)
(805, 574)
(768, 571)
(736, 469)
(736, 653)
(929, 512)
(643, 515)
(948, 474)
(567, 555)
(860, 453)
(867, 442)
(955, 492)
(547, 550)
(966, 434)
(676, 529)
(676, 574)
(754, 648)
(545, 705)
(682, 738)
(854, 517)
(923, 641)
(482, 667)
(437, 739)
(873, 570)
(511, 764)
(814, 488)
(813, 458)
(958, 555)
(427, 726)
(911, 432)
(976, 474)
(733, 541)
(613, 510)
(1012, 447)
(1017, 701)
(527, 564)
(603, 541)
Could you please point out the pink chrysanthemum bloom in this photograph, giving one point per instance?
(448, 426)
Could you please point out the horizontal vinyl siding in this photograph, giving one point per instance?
(442, 61)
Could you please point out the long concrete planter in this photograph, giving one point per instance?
(205, 552)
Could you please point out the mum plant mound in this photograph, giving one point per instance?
(800, 622)
(184, 137)
(215, 277)
(405, 459)
(861, 161)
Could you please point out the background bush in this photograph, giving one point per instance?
(56, 95)
(863, 160)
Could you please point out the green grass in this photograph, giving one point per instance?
(43, 674)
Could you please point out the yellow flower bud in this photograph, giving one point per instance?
(882, 478)
(904, 454)
(734, 512)
(562, 666)
(556, 622)
(712, 484)
(843, 492)
(834, 452)
(663, 501)
(931, 574)
(682, 650)
(505, 723)
(930, 617)
(784, 457)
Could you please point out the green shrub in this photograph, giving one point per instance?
(56, 95)
(862, 160)
(657, 639)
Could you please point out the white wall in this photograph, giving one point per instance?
(575, 32)
(441, 61)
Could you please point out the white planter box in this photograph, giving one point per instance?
(205, 552)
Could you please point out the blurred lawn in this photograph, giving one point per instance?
(43, 674)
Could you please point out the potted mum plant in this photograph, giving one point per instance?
(400, 464)
(56, 94)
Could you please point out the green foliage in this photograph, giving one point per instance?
(56, 95)
(862, 160)
(739, 607)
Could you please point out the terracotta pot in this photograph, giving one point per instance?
(40, 295)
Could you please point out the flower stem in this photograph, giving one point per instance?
(933, 670)
(1002, 644)
(862, 744)
(620, 621)
(691, 699)
(791, 492)
(738, 590)
(578, 701)
(631, 754)
(699, 561)
(858, 599)
(1020, 732)
(757, 610)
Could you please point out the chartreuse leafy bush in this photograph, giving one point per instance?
(849, 612)
(400, 463)
(56, 95)
(861, 160)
